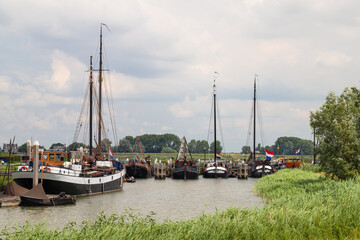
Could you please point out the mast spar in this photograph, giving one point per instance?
(254, 140)
(215, 126)
(100, 83)
(91, 102)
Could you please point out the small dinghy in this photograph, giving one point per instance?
(37, 197)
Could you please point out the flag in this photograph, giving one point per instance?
(269, 154)
(297, 151)
(111, 155)
(218, 155)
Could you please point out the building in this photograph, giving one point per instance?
(6, 147)
(58, 149)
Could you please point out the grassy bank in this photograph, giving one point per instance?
(299, 205)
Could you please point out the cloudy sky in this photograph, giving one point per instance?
(162, 56)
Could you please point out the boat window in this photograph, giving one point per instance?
(45, 157)
(58, 157)
(51, 157)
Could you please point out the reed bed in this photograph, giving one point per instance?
(299, 205)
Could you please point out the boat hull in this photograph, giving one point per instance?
(261, 171)
(219, 172)
(55, 183)
(185, 172)
(137, 170)
(54, 201)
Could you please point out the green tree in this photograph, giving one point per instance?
(218, 147)
(192, 146)
(22, 148)
(202, 146)
(337, 126)
(75, 145)
(130, 139)
(168, 150)
(246, 150)
(124, 146)
(105, 144)
(288, 145)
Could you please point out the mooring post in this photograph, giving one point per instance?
(36, 164)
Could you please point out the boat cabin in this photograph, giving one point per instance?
(54, 158)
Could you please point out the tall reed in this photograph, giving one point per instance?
(299, 205)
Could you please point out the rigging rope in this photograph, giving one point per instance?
(211, 112)
(259, 114)
(79, 123)
(259, 120)
(218, 114)
(248, 138)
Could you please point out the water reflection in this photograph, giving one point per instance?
(168, 199)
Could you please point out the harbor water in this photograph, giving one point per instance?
(165, 199)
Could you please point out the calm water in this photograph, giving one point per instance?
(164, 197)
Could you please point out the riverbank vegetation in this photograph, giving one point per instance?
(337, 129)
(300, 204)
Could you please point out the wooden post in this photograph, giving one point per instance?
(36, 164)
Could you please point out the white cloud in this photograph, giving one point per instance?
(332, 59)
(162, 55)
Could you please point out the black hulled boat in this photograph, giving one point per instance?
(37, 197)
(184, 168)
(214, 169)
(138, 168)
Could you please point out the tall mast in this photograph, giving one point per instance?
(215, 128)
(254, 140)
(100, 83)
(91, 107)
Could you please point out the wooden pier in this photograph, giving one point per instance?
(242, 171)
(160, 170)
(9, 201)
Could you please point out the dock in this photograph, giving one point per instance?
(242, 171)
(9, 201)
(160, 170)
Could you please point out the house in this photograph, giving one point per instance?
(6, 147)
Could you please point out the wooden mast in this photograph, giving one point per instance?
(254, 140)
(91, 103)
(100, 83)
(215, 128)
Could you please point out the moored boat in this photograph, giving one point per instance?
(215, 169)
(258, 168)
(37, 197)
(138, 168)
(184, 168)
(85, 175)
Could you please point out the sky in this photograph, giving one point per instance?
(162, 56)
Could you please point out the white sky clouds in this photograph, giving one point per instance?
(162, 55)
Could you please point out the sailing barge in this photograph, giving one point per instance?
(215, 169)
(138, 168)
(85, 176)
(184, 168)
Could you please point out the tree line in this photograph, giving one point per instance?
(170, 143)
(285, 146)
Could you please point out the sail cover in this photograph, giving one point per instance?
(181, 149)
(12, 189)
(38, 193)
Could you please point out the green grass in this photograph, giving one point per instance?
(299, 205)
